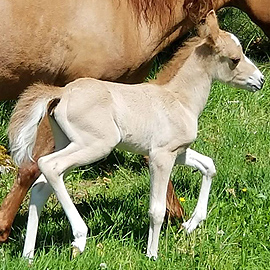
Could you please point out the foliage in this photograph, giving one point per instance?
(252, 38)
(255, 43)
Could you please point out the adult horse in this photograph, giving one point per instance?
(57, 42)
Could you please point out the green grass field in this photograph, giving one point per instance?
(234, 130)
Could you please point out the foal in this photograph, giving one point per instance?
(89, 118)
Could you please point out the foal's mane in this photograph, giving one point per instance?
(162, 10)
(197, 9)
(177, 61)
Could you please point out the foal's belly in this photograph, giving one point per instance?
(142, 149)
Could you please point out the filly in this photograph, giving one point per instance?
(82, 113)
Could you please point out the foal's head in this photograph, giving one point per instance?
(230, 64)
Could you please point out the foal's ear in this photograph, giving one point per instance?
(209, 28)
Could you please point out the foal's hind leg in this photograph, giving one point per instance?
(27, 175)
(207, 168)
(56, 164)
(40, 193)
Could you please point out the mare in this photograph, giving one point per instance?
(82, 112)
(57, 42)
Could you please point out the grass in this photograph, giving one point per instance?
(253, 40)
(234, 130)
(113, 197)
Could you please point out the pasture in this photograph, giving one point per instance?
(234, 130)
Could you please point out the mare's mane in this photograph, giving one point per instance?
(162, 10)
(178, 60)
(150, 10)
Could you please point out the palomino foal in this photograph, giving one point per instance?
(89, 118)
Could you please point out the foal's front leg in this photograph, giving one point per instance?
(160, 165)
(207, 168)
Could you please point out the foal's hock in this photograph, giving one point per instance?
(92, 117)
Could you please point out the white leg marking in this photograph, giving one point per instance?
(41, 190)
(54, 166)
(160, 165)
(207, 168)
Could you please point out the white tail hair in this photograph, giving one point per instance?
(29, 111)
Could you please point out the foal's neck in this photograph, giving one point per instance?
(192, 83)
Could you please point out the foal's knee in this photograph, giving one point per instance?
(157, 213)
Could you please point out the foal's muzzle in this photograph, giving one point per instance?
(255, 82)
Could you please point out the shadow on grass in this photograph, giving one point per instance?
(106, 217)
(108, 165)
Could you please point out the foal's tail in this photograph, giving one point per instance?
(29, 111)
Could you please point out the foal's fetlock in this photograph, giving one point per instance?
(194, 221)
(211, 170)
(28, 258)
(78, 245)
(75, 252)
(190, 225)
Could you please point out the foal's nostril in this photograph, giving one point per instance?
(262, 81)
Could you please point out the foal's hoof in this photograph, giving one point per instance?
(75, 252)
(152, 257)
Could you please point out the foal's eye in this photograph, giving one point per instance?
(235, 60)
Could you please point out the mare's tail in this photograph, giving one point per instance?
(29, 111)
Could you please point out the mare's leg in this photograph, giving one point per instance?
(207, 168)
(15, 197)
(40, 193)
(174, 209)
(160, 165)
(27, 175)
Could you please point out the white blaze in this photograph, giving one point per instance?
(235, 39)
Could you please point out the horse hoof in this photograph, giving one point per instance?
(75, 252)
(4, 235)
(151, 257)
